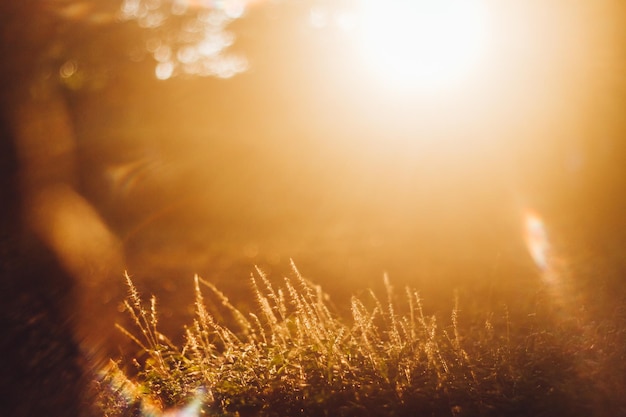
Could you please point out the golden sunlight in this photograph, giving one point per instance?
(423, 43)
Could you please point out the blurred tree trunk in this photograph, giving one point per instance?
(58, 257)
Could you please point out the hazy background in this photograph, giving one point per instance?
(307, 156)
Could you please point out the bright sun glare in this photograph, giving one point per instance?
(423, 43)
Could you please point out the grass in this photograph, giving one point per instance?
(295, 356)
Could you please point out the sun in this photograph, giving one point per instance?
(422, 43)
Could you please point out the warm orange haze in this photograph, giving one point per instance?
(475, 146)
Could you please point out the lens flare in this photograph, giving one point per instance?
(540, 248)
(129, 392)
(536, 239)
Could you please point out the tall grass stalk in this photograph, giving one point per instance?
(293, 356)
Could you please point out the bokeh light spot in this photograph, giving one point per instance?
(164, 70)
(68, 69)
(200, 46)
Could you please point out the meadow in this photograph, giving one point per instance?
(293, 353)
